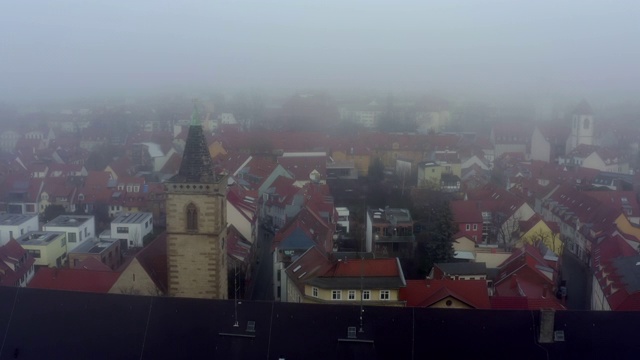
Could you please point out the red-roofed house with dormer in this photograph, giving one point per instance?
(279, 203)
(446, 294)
(616, 270)
(597, 158)
(58, 191)
(468, 217)
(510, 138)
(305, 167)
(526, 274)
(502, 212)
(16, 265)
(581, 218)
(242, 211)
(306, 230)
(316, 278)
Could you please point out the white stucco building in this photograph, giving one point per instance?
(132, 227)
(77, 227)
(12, 226)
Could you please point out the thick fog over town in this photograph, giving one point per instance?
(73, 48)
(316, 180)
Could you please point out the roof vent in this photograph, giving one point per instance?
(251, 326)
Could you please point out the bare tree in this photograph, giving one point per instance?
(546, 237)
(506, 229)
(403, 174)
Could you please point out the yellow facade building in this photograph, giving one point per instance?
(313, 278)
(48, 248)
(536, 230)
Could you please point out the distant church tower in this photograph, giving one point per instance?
(581, 126)
(196, 223)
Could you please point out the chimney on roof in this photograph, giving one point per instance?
(547, 320)
(514, 281)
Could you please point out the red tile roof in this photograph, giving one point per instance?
(465, 211)
(91, 263)
(12, 254)
(301, 167)
(153, 259)
(366, 267)
(172, 165)
(523, 303)
(74, 280)
(238, 247)
(521, 275)
(424, 293)
(618, 199)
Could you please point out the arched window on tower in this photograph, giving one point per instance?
(585, 124)
(192, 217)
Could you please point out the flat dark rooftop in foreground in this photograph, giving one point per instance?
(44, 324)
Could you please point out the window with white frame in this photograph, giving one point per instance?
(336, 294)
(468, 227)
(385, 294)
(366, 295)
(352, 295)
(314, 292)
(475, 226)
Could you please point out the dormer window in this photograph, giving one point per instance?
(192, 217)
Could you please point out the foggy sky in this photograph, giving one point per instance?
(78, 48)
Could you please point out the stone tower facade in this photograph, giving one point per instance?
(581, 127)
(196, 224)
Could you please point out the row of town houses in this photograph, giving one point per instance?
(278, 180)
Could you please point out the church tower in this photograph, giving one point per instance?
(196, 223)
(581, 126)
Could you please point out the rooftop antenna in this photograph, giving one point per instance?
(361, 293)
(235, 294)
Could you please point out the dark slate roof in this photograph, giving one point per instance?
(628, 268)
(110, 326)
(196, 166)
(298, 239)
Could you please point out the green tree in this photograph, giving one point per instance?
(436, 241)
(52, 211)
(376, 170)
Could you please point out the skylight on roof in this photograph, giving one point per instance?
(297, 268)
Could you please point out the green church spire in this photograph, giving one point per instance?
(195, 115)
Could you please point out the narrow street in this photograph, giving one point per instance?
(260, 287)
(578, 278)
